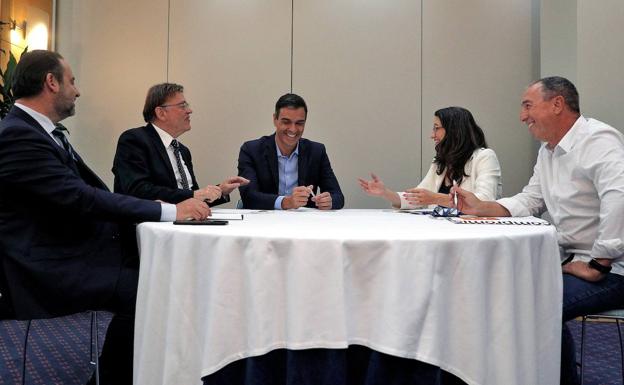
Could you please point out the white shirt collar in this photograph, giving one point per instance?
(164, 136)
(43, 120)
(567, 142)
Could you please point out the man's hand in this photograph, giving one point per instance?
(467, 202)
(298, 198)
(582, 270)
(209, 193)
(323, 201)
(192, 208)
(232, 183)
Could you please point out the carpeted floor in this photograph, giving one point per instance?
(58, 351)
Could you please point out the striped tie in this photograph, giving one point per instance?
(176, 152)
(58, 132)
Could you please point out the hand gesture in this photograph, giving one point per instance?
(373, 187)
(232, 183)
(298, 198)
(209, 193)
(467, 202)
(420, 197)
(323, 201)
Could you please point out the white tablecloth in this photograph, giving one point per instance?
(481, 301)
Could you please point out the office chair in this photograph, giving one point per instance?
(7, 313)
(617, 315)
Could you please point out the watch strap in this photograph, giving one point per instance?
(598, 266)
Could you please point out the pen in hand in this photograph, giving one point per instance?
(455, 193)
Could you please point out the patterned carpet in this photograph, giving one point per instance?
(58, 351)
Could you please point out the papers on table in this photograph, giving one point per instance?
(531, 221)
(232, 214)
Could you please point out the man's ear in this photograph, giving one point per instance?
(558, 104)
(159, 113)
(51, 83)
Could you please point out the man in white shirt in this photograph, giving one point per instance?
(579, 180)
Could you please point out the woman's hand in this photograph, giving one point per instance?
(422, 197)
(374, 187)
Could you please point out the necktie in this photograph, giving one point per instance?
(176, 152)
(58, 132)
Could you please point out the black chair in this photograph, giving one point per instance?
(615, 315)
(7, 313)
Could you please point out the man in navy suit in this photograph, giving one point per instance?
(60, 248)
(151, 163)
(284, 170)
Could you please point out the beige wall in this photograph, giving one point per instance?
(601, 60)
(116, 53)
(372, 72)
(582, 40)
(479, 55)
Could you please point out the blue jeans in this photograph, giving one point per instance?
(580, 298)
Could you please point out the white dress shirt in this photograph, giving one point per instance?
(484, 178)
(581, 184)
(43, 120)
(166, 140)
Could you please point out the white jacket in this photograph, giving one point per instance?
(484, 177)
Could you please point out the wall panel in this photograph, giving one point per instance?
(601, 60)
(116, 53)
(479, 55)
(357, 64)
(233, 57)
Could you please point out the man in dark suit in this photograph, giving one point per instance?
(284, 170)
(60, 251)
(151, 163)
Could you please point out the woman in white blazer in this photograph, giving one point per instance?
(462, 158)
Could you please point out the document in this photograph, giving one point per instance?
(530, 221)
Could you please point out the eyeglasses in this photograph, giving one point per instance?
(183, 105)
(436, 128)
(441, 211)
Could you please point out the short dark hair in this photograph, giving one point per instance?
(156, 96)
(556, 85)
(463, 137)
(31, 71)
(293, 101)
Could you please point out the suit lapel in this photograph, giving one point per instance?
(63, 154)
(270, 156)
(302, 161)
(186, 156)
(162, 153)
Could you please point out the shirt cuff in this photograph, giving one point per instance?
(168, 212)
(278, 203)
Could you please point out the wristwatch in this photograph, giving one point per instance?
(598, 266)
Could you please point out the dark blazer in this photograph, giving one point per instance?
(60, 250)
(142, 168)
(257, 161)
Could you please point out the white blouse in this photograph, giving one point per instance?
(484, 178)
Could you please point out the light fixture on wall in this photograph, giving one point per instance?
(15, 26)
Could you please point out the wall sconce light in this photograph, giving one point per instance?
(15, 26)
